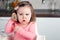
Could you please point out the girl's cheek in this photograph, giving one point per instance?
(28, 19)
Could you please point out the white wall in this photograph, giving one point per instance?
(37, 4)
(50, 27)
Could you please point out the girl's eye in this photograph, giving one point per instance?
(21, 14)
(27, 14)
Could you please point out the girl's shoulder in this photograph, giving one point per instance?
(32, 22)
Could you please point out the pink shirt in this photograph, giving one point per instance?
(27, 33)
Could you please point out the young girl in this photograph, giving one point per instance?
(22, 22)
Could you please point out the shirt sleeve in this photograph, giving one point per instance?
(28, 34)
(9, 26)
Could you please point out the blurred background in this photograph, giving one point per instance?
(43, 8)
(47, 16)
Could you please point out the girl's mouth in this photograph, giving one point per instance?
(23, 20)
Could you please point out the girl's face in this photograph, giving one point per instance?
(24, 15)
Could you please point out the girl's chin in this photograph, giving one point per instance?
(24, 23)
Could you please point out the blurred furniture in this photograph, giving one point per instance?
(39, 37)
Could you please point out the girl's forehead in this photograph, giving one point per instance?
(24, 9)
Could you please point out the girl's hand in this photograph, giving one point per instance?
(16, 28)
(14, 17)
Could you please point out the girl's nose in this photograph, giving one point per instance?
(24, 16)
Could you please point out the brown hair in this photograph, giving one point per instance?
(26, 3)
